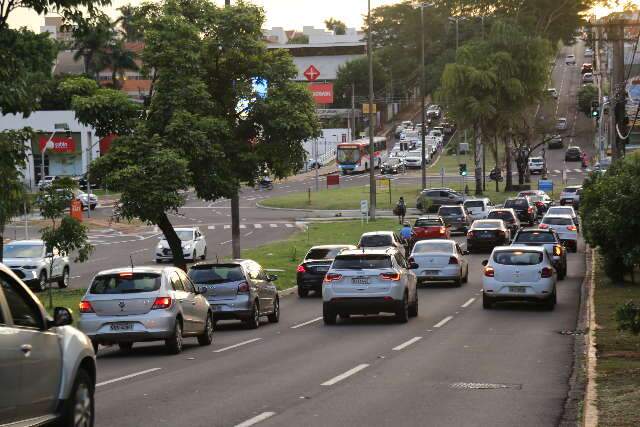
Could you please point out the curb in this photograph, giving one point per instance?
(383, 213)
(590, 417)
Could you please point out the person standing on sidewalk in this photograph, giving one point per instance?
(401, 210)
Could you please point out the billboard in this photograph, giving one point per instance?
(61, 144)
(322, 92)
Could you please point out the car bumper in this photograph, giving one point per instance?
(368, 305)
(155, 325)
(485, 243)
(457, 226)
(232, 308)
(441, 274)
(309, 281)
(507, 291)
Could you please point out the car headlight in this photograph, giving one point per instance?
(187, 246)
(159, 245)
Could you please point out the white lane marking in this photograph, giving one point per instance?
(248, 234)
(406, 344)
(300, 325)
(225, 242)
(240, 344)
(257, 225)
(273, 225)
(243, 226)
(468, 303)
(211, 227)
(126, 377)
(227, 226)
(578, 170)
(556, 171)
(345, 375)
(442, 322)
(289, 225)
(257, 419)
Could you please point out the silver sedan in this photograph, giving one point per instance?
(440, 260)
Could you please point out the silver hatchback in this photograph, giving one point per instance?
(128, 305)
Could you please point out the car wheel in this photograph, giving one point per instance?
(328, 315)
(204, 254)
(344, 316)
(95, 345)
(413, 308)
(458, 282)
(253, 321)
(42, 282)
(275, 316)
(174, 343)
(562, 273)
(550, 303)
(402, 313)
(465, 279)
(486, 302)
(303, 293)
(194, 255)
(78, 410)
(64, 280)
(125, 346)
(207, 336)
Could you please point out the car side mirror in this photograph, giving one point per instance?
(413, 266)
(485, 262)
(465, 252)
(62, 316)
(201, 290)
(272, 277)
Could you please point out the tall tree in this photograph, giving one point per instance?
(350, 76)
(118, 59)
(337, 26)
(92, 36)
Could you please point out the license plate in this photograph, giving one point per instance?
(359, 280)
(122, 326)
(322, 269)
(517, 289)
(430, 272)
(485, 235)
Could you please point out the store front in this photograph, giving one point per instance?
(63, 159)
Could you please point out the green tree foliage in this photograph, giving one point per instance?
(335, 25)
(299, 39)
(62, 88)
(586, 95)
(42, 7)
(118, 59)
(628, 317)
(108, 111)
(608, 205)
(92, 36)
(355, 72)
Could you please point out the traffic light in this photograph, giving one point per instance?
(463, 169)
(595, 110)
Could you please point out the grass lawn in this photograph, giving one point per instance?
(618, 366)
(63, 298)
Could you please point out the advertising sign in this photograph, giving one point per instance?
(61, 144)
(311, 73)
(76, 209)
(333, 180)
(322, 92)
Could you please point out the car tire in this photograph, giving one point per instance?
(96, 345)
(275, 316)
(253, 321)
(344, 316)
(562, 273)
(465, 279)
(174, 342)
(303, 293)
(402, 312)
(63, 282)
(458, 282)
(207, 335)
(413, 308)
(194, 255)
(550, 303)
(204, 254)
(79, 409)
(41, 286)
(487, 304)
(328, 315)
(125, 346)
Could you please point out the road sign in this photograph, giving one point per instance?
(365, 108)
(364, 207)
(442, 172)
(322, 92)
(311, 73)
(545, 185)
(383, 183)
(333, 180)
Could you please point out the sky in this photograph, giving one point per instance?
(291, 14)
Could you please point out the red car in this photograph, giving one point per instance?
(430, 227)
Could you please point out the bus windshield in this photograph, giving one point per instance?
(348, 154)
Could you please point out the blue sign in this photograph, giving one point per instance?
(545, 185)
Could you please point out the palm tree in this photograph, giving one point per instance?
(118, 59)
(90, 37)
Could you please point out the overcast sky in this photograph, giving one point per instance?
(291, 14)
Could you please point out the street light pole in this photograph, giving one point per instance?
(372, 177)
(423, 127)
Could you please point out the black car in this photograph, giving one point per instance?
(509, 217)
(310, 273)
(526, 210)
(485, 234)
(551, 241)
(456, 217)
(573, 154)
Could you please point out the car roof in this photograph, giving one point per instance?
(484, 221)
(521, 247)
(433, 216)
(26, 242)
(471, 199)
(573, 186)
(368, 251)
(143, 269)
(333, 247)
(185, 228)
(558, 216)
(450, 206)
(560, 207)
(377, 233)
(573, 147)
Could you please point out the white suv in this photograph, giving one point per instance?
(29, 260)
(370, 281)
(519, 273)
(536, 165)
(194, 245)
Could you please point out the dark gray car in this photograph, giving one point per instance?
(431, 199)
(456, 217)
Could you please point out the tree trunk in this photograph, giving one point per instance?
(235, 224)
(477, 161)
(175, 244)
(1, 241)
(497, 162)
(507, 158)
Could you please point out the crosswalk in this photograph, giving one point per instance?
(251, 226)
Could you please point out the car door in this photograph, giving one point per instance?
(11, 358)
(271, 291)
(202, 244)
(38, 350)
(408, 275)
(463, 260)
(182, 298)
(265, 290)
(198, 303)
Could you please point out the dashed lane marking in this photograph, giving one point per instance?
(126, 377)
(442, 322)
(300, 325)
(240, 344)
(406, 344)
(468, 303)
(345, 375)
(257, 419)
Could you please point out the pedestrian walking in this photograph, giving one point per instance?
(401, 210)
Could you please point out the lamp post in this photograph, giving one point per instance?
(423, 127)
(49, 144)
(372, 176)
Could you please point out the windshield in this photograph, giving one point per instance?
(428, 222)
(534, 160)
(350, 155)
(211, 274)
(125, 283)
(473, 204)
(516, 203)
(535, 237)
(23, 251)
(375, 240)
(185, 235)
(504, 215)
(557, 221)
(361, 262)
(569, 190)
(560, 211)
(450, 210)
(323, 253)
(517, 257)
(443, 247)
(487, 224)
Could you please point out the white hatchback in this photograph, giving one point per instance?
(519, 273)
(194, 245)
(564, 226)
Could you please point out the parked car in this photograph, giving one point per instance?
(382, 239)
(565, 210)
(310, 273)
(555, 141)
(133, 304)
(393, 165)
(88, 201)
(549, 239)
(455, 217)
(440, 260)
(570, 60)
(31, 262)
(552, 92)
(587, 67)
(431, 199)
(487, 234)
(566, 229)
(569, 194)
(48, 367)
(537, 165)
(478, 208)
(509, 216)
(430, 227)
(239, 289)
(524, 208)
(561, 124)
(519, 273)
(573, 154)
(47, 181)
(587, 78)
(372, 281)
(194, 245)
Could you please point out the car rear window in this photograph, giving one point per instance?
(561, 211)
(428, 222)
(376, 240)
(323, 253)
(487, 224)
(361, 262)
(125, 283)
(516, 203)
(474, 204)
(516, 257)
(557, 221)
(569, 190)
(535, 237)
(450, 210)
(219, 273)
(504, 215)
(425, 247)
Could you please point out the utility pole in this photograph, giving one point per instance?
(423, 118)
(372, 176)
(353, 112)
(618, 113)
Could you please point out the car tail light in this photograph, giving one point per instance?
(453, 260)
(543, 226)
(557, 250)
(470, 235)
(390, 276)
(489, 272)
(243, 287)
(530, 210)
(161, 303)
(539, 204)
(443, 230)
(85, 307)
(332, 277)
(412, 260)
(501, 233)
(546, 272)
(571, 228)
(301, 269)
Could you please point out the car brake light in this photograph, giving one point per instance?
(501, 233)
(546, 272)
(161, 303)
(243, 287)
(489, 272)
(571, 228)
(470, 235)
(126, 274)
(453, 260)
(85, 307)
(332, 277)
(530, 209)
(301, 269)
(443, 230)
(557, 250)
(390, 276)
(539, 204)
(543, 226)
